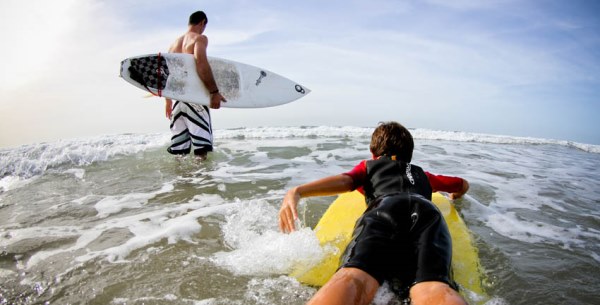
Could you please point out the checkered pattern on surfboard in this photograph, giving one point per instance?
(145, 70)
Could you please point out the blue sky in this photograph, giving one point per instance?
(520, 68)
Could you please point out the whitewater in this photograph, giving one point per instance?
(115, 219)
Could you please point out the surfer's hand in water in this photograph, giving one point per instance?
(327, 186)
(288, 212)
(216, 99)
(465, 188)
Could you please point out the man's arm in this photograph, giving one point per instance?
(205, 72)
(328, 186)
(168, 108)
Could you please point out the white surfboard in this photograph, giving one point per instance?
(174, 75)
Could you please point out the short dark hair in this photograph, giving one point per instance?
(392, 139)
(197, 17)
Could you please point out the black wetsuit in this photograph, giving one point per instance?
(402, 236)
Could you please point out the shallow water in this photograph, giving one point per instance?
(116, 220)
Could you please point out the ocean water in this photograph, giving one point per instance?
(116, 220)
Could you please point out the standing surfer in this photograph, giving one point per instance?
(190, 123)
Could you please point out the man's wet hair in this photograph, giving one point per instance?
(197, 17)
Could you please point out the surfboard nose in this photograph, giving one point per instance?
(301, 89)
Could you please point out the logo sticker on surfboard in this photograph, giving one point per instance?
(300, 89)
(263, 74)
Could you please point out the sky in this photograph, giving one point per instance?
(517, 68)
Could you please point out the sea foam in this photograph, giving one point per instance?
(258, 248)
(30, 160)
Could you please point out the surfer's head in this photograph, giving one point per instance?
(197, 18)
(392, 139)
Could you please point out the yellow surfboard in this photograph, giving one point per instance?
(334, 231)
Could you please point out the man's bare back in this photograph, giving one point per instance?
(187, 43)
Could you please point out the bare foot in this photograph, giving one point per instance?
(201, 157)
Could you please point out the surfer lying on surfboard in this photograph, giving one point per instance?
(401, 237)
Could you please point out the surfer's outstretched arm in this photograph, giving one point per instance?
(328, 186)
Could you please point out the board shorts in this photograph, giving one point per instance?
(403, 239)
(190, 126)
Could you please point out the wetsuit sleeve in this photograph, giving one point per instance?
(358, 175)
(446, 184)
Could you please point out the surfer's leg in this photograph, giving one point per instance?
(377, 247)
(199, 125)
(348, 286)
(180, 143)
(432, 242)
(180, 139)
(434, 293)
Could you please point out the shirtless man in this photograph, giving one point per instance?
(191, 123)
